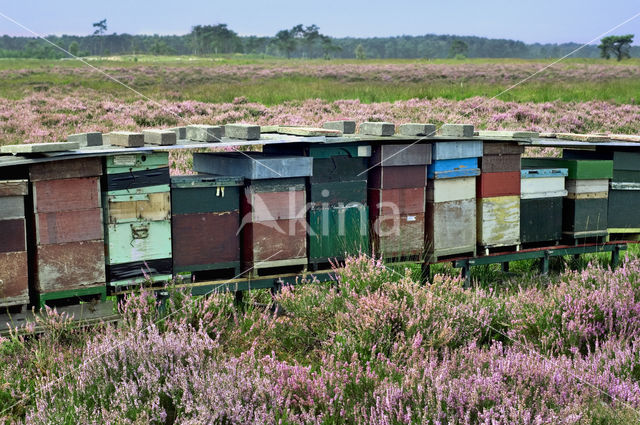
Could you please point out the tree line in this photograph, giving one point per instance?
(299, 41)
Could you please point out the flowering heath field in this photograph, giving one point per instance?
(370, 347)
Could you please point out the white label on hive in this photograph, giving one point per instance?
(126, 160)
(411, 218)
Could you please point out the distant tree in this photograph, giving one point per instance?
(74, 48)
(286, 42)
(309, 36)
(328, 47)
(458, 48)
(618, 45)
(100, 29)
(360, 54)
(214, 39)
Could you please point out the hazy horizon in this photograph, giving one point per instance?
(542, 21)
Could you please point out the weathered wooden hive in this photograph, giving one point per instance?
(585, 208)
(205, 223)
(14, 275)
(451, 198)
(137, 218)
(541, 193)
(273, 205)
(498, 189)
(397, 193)
(69, 244)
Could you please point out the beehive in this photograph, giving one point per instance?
(542, 192)
(14, 288)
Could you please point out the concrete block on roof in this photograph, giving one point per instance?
(377, 128)
(242, 131)
(416, 129)
(457, 130)
(40, 147)
(181, 132)
(204, 133)
(127, 139)
(86, 139)
(159, 137)
(345, 126)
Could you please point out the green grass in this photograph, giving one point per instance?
(271, 91)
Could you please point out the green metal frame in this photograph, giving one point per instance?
(72, 293)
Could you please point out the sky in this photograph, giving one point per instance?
(544, 21)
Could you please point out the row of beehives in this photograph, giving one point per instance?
(122, 219)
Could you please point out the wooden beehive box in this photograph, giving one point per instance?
(577, 169)
(453, 168)
(401, 155)
(626, 164)
(456, 149)
(69, 245)
(543, 183)
(585, 215)
(623, 207)
(501, 157)
(541, 204)
(14, 278)
(398, 236)
(137, 218)
(498, 221)
(398, 177)
(450, 218)
(397, 201)
(205, 223)
(337, 232)
(273, 210)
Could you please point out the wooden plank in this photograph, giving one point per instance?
(338, 232)
(205, 239)
(309, 131)
(540, 220)
(587, 186)
(12, 235)
(453, 168)
(132, 208)
(445, 190)
(457, 149)
(253, 165)
(14, 278)
(450, 227)
(69, 226)
(11, 207)
(66, 195)
(625, 137)
(14, 187)
(398, 236)
(491, 185)
(325, 195)
(500, 148)
(398, 177)
(68, 266)
(401, 155)
(584, 215)
(269, 206)
(583, 137)
(66, 169)
(397, 201)
(501, 163)
(143, 240)
(498, 221)
(274, 241)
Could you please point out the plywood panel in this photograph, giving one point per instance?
(268, 206)
(69, 226)
(144, 240)
(498, 184)
(11, 207)
(397, 201)
(72, 265)
(498, 221)
(130, 208)
(398, 235)
(445, 190)
(274, 240)
(206, 238)
(540, 220)
(12, 235)
(66, 169)
(66, 195)
(450, 227)
(14, 279)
